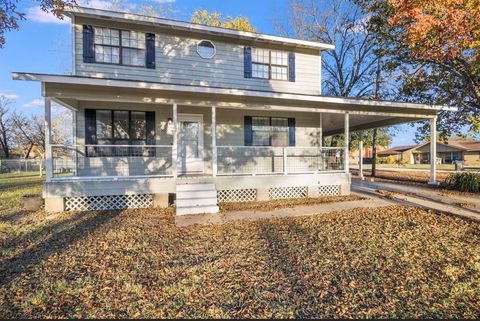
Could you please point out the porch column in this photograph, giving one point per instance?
(74, 135)
(360, 157)
(48, 138)
(214, 141)
(320, 135)
(433, 151)
(347, 141)
(175, 142)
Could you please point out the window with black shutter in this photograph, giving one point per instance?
(269, 131)
(123, 128)
(118, 47)
(263, 63)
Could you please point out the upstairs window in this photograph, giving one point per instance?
(269, 64)
(121, 47)
(206, 49)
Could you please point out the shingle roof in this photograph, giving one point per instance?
(467, 145)
(397, 149)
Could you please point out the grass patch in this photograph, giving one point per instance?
(392, 262)
(285, 203)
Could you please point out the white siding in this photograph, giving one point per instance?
(177, 62)
(230, 124)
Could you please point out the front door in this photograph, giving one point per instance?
(190, 143)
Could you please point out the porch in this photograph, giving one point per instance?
(205, 135)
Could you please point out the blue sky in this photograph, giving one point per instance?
(43, 45)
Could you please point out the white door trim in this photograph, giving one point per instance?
(201, 161)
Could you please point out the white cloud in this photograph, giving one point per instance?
(9, 96)
(38, 15)
(35, 103)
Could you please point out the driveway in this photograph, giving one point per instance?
(459, 204)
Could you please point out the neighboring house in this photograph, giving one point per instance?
(399, 154)
(367, 154)
(467, 151)
(165, 108)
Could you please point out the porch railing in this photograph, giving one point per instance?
(259, 160)
(156, 160)
(111, 160)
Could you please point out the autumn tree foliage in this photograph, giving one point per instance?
(215, 19)
(431, 50)
(440, 29)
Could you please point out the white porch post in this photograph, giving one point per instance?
(320, 135)
(347, 141)
(175, 142)
(48, 138)
(360, 157)
(433, 151)
(74, 135)
(214, 141)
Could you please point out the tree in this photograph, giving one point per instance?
(30, 131)
(433, 49)
(6, 128)
(11, 15)
(215, 19)
(353, 68)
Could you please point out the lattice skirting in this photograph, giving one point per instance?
(108, 202)
(288, 192)
(328, 190)
(237, 195)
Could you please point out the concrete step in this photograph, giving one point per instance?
(195, 187)
(197, 210)
(190, 202)
(196, 194)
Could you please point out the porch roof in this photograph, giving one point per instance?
(365, 114)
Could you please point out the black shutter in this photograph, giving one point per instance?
(247, 128)
(150, 128)
(90, 131)
(291, 66)
(291, 132)
(150, 45)
(247, 62)
(88, 37)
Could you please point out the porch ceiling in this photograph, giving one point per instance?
(364, 114)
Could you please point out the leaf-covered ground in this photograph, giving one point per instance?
(389, 262)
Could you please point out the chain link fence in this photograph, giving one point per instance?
(22, 166)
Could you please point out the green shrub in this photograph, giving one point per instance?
(464, 182)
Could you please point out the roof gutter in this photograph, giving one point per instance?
(187, 26)
(79, 80)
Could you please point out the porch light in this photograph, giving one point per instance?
(168, 128)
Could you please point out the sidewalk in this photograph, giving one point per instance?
(423, 196)
(302, 210)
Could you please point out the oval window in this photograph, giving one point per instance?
(206, 49)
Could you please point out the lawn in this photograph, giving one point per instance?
(393, 262)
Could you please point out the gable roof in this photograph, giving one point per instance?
(397, 149)
(464, 145)
(192, 27)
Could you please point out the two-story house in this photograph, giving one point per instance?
(166, 109)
